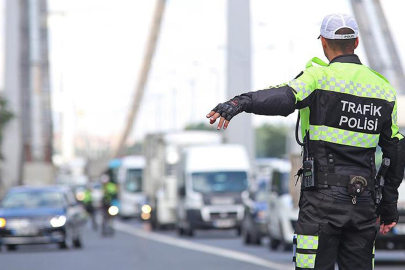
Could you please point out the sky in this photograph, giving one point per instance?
(97, 46)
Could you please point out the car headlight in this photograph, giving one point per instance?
(3, 223)
(58, 221)
(113, 210)
(80, 196)
(146, 208)
(195, 201)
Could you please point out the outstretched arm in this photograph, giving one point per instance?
(272, 101)
(280, 100)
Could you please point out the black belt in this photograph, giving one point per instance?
(338, 180)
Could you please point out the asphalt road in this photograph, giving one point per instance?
(134, 247)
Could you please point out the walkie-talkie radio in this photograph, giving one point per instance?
(308, 175)
(307, 172)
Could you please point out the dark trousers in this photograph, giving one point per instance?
(331, 229)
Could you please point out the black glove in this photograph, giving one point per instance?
(388, 212)
(228, 109)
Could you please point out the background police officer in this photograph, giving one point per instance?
(346, 110)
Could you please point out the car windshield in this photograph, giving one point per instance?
(262, 193)
(133, 182)
(209, 182)
(33, 199)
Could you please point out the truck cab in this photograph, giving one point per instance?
(211, 182)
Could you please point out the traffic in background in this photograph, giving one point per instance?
(98, 174)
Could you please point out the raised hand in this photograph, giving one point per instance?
(226, 111)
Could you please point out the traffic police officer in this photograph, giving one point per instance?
(346, 110)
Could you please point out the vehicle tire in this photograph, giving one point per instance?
(246, 236)
(180, 231)
(287, 247)
(239, 231)
(273, 243)
(11, 247)
(189, 232)
(68, 242)
(77, 243)
(258, 239)
(154, 222)
(104, 228)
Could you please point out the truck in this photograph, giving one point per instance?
(211, 182)
(130, 186)
(162, 153)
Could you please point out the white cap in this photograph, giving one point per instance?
(334, 22)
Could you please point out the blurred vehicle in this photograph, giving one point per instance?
(130, 182)
(211, 182)
(41, 215)
(255, 220)
(97, 194)
(73, 173)
(395, 238)
(282, 216)
(162, 153)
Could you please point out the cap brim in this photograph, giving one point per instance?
(319, 37)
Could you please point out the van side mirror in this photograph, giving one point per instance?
(182, 191)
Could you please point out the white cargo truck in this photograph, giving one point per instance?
(162, 153)
(130, 182)
(211, 182)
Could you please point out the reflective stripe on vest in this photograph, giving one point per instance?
(341, 136)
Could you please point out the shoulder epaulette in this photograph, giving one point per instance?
(316, 60)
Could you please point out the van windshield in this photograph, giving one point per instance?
(133, 183)
(209, 182)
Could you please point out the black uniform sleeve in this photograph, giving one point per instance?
(392, 144)
(272, 101)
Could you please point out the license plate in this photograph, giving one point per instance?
(225, 223)
(399, 229)
(26, 232)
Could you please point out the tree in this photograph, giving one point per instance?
(135, 149)
(200, 126)
(5, 116)
(271, 141)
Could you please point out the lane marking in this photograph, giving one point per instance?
(222, 252)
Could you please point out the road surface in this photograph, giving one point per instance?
(134, 247)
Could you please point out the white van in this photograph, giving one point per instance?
(395, 239)
(212, 179)
(282, 214)
(130, 186)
